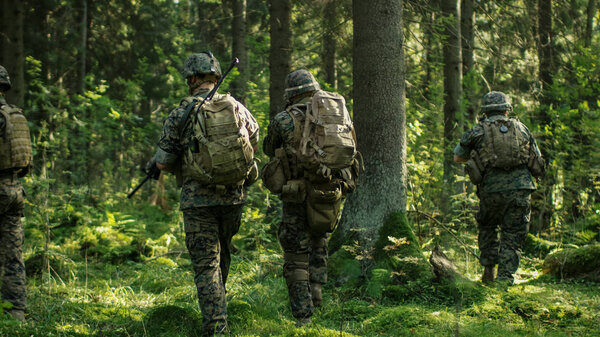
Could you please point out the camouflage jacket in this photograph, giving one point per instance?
(496, 179)
(170, 147)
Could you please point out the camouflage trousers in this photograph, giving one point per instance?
(12, 267)
(305, 258)
(503, 220)
(208, 239)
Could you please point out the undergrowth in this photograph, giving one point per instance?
(120, 269)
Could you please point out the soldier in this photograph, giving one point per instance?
(214, 178)
(311, 180)
(15, 161)
(501, 156)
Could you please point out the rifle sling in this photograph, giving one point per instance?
(186, 114)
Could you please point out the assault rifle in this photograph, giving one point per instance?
(154, 172)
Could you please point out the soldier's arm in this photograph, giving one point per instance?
(273, 140)
(462, 151)
(169, 145)
(251, 126)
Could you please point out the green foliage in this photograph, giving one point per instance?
(171, 320)
(537, 247)
(99, 264)
(398, 250)
(577, 263)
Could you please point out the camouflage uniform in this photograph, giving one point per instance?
(305, 254)
(12, 266)
(211, 218)
(504, 202)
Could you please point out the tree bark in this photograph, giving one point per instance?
(329, 42)
(467, 20)
(452, 95)
(380, 120)
(13, 55)
(543, 199)
(589, 26)
(83, 52)
(238, 29)
(280, 52)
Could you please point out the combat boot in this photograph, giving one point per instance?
(19, 315)
(488, 275)
(316, 294)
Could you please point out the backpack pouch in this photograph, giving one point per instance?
(323, 206)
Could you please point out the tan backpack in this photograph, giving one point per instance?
(15, 144)
(219, 152)
(326, 151)
(326, 141)
(504, 145)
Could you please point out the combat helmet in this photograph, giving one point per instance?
(299, 82)
(495, 101)
(4, 80)
(201, 64)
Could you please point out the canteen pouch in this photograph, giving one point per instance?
(323, 206)
(294, 191)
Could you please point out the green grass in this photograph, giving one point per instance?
(109, 295)
(158, 298)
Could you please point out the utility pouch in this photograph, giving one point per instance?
(323, 205)
(272, 176)
(535, 164)
(294, 191)
(474, 168)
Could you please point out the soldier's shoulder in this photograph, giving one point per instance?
(10, 107)
(283, 121)
(282, 117)
(180, 109)
(520, 125)
(477, 129)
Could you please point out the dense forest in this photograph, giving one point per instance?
(96, 80)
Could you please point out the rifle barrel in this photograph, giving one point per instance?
(138, 187)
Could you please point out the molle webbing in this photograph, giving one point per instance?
(15, 145)
(323, 135)
(504, 145)
(219, 154)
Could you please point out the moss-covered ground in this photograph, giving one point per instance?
(134, 289)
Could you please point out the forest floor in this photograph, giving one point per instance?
(155, 296)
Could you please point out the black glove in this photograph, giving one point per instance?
(151, 170)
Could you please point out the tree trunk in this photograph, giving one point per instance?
(543, 199)
(280, 52)
(452, 102)
(13, 55)
(83, 52)
(589, 27)
(467, 20)
(329, 42)
(238, 29)
(380, 121)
